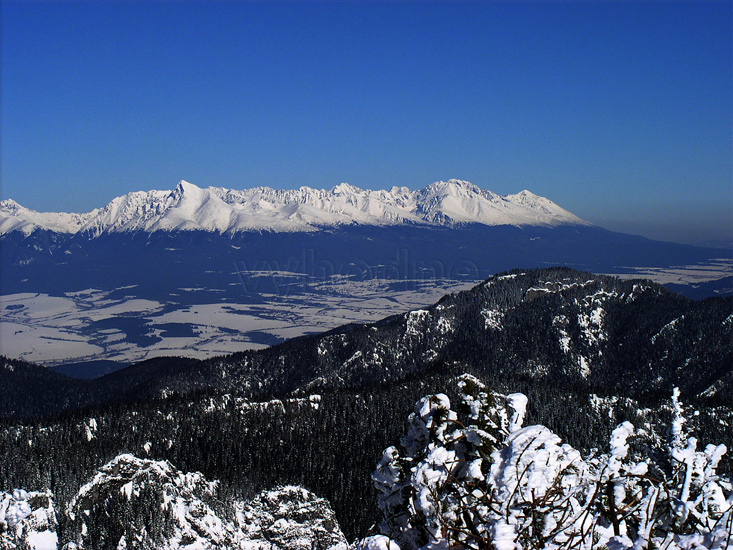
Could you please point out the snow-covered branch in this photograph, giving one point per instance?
(480, 480)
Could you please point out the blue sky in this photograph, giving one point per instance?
(620, 112)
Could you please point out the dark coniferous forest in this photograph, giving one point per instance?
(589, 352)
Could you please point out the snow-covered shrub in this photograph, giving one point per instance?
(475, 478)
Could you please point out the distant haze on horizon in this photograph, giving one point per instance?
(621, 113)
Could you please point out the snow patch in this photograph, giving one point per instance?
(492, 319)
(415, 321)
(667, 328)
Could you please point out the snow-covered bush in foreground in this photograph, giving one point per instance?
(481, 480)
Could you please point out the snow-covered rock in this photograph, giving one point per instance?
(290, 518)
(27, 521)
(147, 504)
(216, 209)
(138, 503)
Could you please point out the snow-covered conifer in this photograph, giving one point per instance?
(478, 479)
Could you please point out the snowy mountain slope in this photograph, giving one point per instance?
(14, 217)
(216, 209)
(596, 331)
(555, 325)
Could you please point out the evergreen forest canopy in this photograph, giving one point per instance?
(654, 471)
(558, 325)
(319, 411)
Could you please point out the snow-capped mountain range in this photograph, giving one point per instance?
(220, 210)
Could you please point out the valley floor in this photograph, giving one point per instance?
(116, 325)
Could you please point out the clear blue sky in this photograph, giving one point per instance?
(619, 112)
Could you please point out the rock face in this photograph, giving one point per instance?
(137, 503)
(150, 505)
(291, 518)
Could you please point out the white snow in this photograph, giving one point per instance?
(415, 321)
(55, 330)
(27, 520)
(584, 367)
(16, 509)
(13, 217)
(189, 207)
(518, 403)
(702, 272)
(376, 542)
(580, 502)
(42, 540)
(668, 327)
(492, 319)
(444, 325)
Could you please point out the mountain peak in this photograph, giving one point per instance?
(189, 207)
(186, 187)
(453, 183)
(461, 183)
(9, 205)
(453, 187)
(527, 194)
(345, 189)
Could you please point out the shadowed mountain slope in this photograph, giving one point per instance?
(560, 325)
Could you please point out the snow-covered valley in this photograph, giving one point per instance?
(203, 272)
(117, 326)
(131, 461)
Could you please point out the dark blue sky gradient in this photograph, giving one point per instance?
(619, 112)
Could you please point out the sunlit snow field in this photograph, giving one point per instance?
(196, 322)
(88, 325)
(683, 275)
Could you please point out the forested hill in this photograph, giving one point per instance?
(556, 324)
(560, 325)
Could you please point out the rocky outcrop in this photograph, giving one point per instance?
(291, 518)
(150, 505)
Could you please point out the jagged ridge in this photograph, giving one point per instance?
(216, 209)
